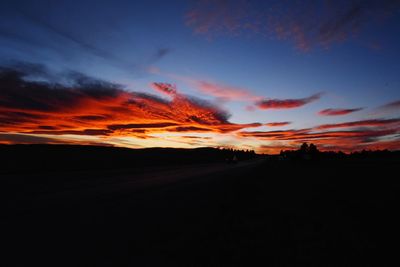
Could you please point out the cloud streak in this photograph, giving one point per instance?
(338, 112)
(287, 103)
(375, 134)
(225, 92)
(395, 105)
(361, 123)
(278, 124)
(66, 40)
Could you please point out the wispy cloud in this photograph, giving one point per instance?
(338, 111)
(278, 124)
(395, 105)
(220, 91)
(306, 23)
(88, 47)
(161, 52)
(65, 40)
(309, 134)
(12, 138)
(287, 103)
(377, 134)
(375, 122)
(225, 92)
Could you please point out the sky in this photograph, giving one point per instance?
(260, 75)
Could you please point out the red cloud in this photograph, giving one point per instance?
(277, 124)
(95, 108)
(310, 134)
(91, 107)
(379, 136)
(286, 103)
(337, 112)
(376, 122)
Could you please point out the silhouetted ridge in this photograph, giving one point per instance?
(19, 158)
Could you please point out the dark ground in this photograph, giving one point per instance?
(255, 213)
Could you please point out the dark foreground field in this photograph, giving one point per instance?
(260, 212)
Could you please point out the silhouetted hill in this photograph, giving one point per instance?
(27, 158)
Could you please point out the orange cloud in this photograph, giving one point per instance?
(276, 148)
(97, 111)
(96, 108)
(277, 124)
(338, 112)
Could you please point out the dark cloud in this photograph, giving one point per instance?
(189, 129)
(338, 112)
(395, 105)
(375, 133)
(8, 138)
(47, 127)
(91, 117)
(74, 132)
(161, 52)
(18, 93)
(141, 125)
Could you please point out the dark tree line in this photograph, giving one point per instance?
(79, 157)
(310, 152)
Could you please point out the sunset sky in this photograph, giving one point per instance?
(261, 75)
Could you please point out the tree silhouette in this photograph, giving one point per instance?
(312, 149)
(304, 148)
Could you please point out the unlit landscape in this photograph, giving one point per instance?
(260, 211)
